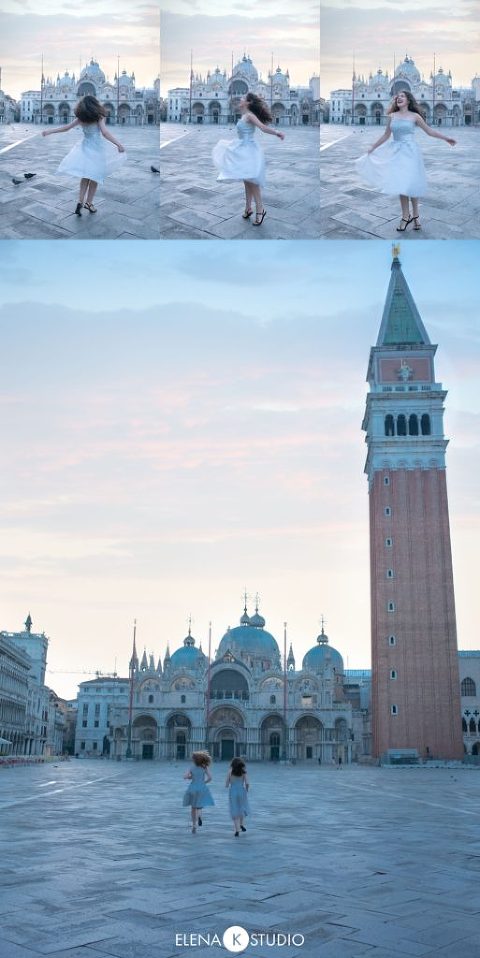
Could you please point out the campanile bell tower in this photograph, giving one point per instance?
(415, 682)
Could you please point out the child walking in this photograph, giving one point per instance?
(243, 159)
(198, 794)
(237, 782)
(395, 166)
(91, 159)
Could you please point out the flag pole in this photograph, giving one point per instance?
(128, 753)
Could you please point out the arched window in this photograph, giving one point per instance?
(401, 425)
(471, 726)
(425, 424)
(150, 699)
(464, 726)
(389, 426)
(273, 699)
(468, 687)
(413, 425)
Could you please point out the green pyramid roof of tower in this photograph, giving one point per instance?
(401, 322)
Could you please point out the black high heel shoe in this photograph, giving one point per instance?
(259, 218)
(401, 229)
(78, 209)
(243, 828)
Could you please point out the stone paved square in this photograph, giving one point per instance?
(195, 206)
(352, 210)
(98, 860)
(43, 207)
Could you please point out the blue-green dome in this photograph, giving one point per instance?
(250, 639)
(321, 655)
(188, 656)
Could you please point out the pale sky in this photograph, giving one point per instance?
(69, 34)
(379, 31)
(215, 31)
(175, 430)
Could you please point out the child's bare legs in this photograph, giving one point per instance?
(92, 189)
(194, 813)
(248, 196)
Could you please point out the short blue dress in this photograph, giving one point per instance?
(198, 794)
(238, 797)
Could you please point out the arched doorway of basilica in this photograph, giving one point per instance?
(476, 748)
(64, 113)
(361, 114)
(110, 117)
(226, 733)
(278, 111)
(179, 734)
(376, 112)
(214, 109)
(144, 737)
(440, 114)
(198, 112)
(272, 738)
(123, 113)
(308, 739)
(48, 113)
(86, 89)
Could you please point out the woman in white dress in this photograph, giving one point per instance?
(243, 159)
(91, 159)
(396, 167)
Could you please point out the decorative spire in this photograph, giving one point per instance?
(28, 623)
(144, 662)
(151, 664)
(134, 660)
(401, 323)
(166, 661)
(290, 660)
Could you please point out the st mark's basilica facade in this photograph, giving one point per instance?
(125, 103)
(244, 703)
(216, 97)
(442, 103)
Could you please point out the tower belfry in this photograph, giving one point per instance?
(415, 683)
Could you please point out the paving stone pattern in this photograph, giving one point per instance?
(352, 210)
(44, 207)
(98, 860)
(195, 206)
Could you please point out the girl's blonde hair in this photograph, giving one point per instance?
(202, 759)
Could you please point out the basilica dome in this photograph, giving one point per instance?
(188, 656)
(321, 655)
(93, 72)
(250, 640)
(245, 68)
(408, 70)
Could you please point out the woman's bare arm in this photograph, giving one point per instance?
(61, 129)
(428, 130)
(251, 118)
(108, 136)
(383, 139)
(227, 781)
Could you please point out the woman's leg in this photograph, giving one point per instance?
(92, 189)
(83, 189)
(194, 812)
(415, 213)
(257, 195)
(236, 825)
(248, 196)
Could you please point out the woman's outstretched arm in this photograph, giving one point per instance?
(428, 130)
(251, 118)
(61, 129)
(108, 136)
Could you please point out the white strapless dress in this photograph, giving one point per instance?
(396, 167)
(93, 157)
(240, 159)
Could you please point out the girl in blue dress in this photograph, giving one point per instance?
(198, 795)
(237, 782)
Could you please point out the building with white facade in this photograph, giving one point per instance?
(15, 666)
(215, 98)
(469, 664)
(125, 104)
(442, 102)
(96, 698)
